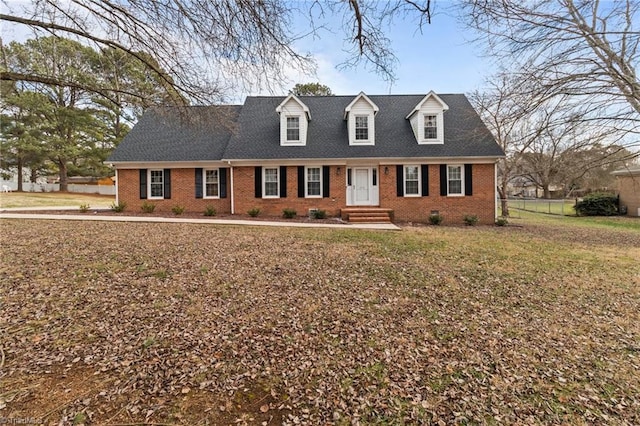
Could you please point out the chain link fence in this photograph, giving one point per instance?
(561, 207)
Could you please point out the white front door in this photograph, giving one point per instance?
(362, 186)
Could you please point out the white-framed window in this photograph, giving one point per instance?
(293, 128)
(270, 182)
(455, 179)
(211, 183)
(430, 127)
(411, 181)
(156, 184)
(313, 182)
(362, 127)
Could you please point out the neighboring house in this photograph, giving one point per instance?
(628, 181)
(409, 155)
(523, 186)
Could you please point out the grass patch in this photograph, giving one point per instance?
(52, 199)
(597, 222)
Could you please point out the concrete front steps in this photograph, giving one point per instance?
(366, 214)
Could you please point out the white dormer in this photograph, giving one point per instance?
(294, 121)
(360, 116)
(427, 119)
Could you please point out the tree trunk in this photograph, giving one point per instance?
(546, 193)
(62, 167)
(504, 203)
(34, 175)
(20, 189)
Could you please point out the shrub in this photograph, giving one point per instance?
(470, 219)
(210, 211)
(148, 207)
(597, 204)
(118, 207)
(254, 212)
(84, 208)
(288, 213)
(177, 210)
(501, 221)
(319, 214)
(435, 219)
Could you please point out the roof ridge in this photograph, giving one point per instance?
(353, 96)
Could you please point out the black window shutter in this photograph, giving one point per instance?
(143, 184)
(443, 179)
(424, 171)
(258, 181)
(283, 181)
(222, 180)
(468, 180)
(198, 182)
(301, 182)
(400, 180)
(325, 181)
(167, 184)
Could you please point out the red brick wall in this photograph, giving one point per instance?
(245, 200)
(453, 209)
(414, 209)
(183, 193)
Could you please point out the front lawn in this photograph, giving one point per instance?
(53, 199)
(127, 323)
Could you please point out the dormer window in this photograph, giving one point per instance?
(360, 115)
(427, 120)
(430, 127)
(293, 129)
(362, 127)
(294, 121)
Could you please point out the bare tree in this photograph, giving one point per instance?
(547, 141)
(587, 49)
(205, 46)
(568, 145)
(506, 112)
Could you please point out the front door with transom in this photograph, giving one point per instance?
(362, 186)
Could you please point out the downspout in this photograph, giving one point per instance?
(231, 187)
(495, 185)
(117, 188)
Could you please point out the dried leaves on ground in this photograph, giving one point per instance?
(125, 323)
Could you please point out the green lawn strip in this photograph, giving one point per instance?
(52, 199)
(602, 222)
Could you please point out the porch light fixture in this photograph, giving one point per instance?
(386, 170)
(338, 171)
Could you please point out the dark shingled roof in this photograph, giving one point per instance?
(195, 133)
(257, 135)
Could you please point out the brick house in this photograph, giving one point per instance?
(402, 155)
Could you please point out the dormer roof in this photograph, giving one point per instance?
(430, 95)
(361, 95)
(305, 108)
